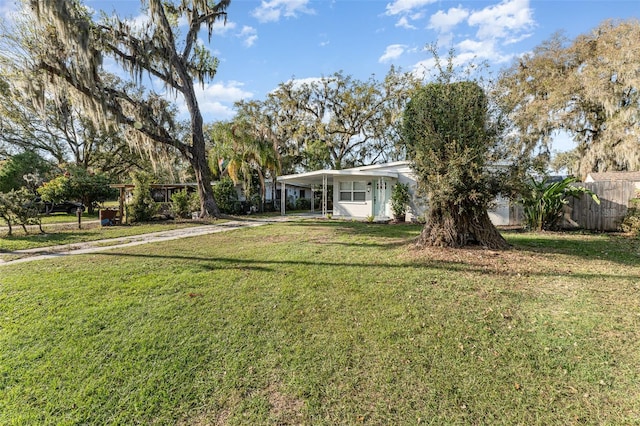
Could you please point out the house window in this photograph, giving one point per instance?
(353, 191)
(302, 194)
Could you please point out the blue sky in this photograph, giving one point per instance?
(270, 41)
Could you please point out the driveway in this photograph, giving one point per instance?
(40, 253)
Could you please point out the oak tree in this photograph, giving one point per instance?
(589, 88)
(338, 121)
(76, 46)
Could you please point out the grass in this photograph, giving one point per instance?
(325, 323)
(65, 233)
(66, 218)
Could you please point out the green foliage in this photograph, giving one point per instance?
(450, 139)
(183, 203)
(142, 207)
(303, 204)
(17, 208)
(89, 188)
(77, 184)
(16, 168)
(400, 197)
(543, 201)
(56, 190)
(226, 197)
(631, 222)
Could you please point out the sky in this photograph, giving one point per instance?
(266, 42)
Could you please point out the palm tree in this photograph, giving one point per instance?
(239, 153)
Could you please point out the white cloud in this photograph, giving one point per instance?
(503, 20)
(230, 91)
(220, 28)
(249, 34)
(498, 25)
(404, 23)
(473, 50)
(273, 10)
(392, 52)
(398, 7)
(445, 21)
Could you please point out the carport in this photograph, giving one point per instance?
(325, 178)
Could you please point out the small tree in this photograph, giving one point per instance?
(399, 200)
(543, 201)
(226, 196)
(89, 188)
(142, 207)
(183, 203)
(55, 191)
(77, 184)
(17, 208)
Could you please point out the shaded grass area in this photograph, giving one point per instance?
(67, 218)
(64, 233)
(325, 323)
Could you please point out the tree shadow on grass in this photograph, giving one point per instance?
(425, 264)
(614, 248)
(382, 230)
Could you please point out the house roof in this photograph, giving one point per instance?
(601, 176)
(317, 177)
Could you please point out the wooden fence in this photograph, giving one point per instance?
(614, 201)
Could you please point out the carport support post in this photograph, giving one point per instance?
(121, 205)
(283, 198)
(324, 195)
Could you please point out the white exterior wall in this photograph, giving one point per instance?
(351, 209)
(385, 173)
(500, 214)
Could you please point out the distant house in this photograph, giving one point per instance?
(615, 176)
(361, 192)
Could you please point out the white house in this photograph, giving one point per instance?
(361, 192)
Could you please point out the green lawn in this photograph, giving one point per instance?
(63, 233)
(325, 323)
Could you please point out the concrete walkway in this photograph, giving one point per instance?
(40, 253)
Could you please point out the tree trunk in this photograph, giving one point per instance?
(208, 206)
(263, 190)
(444, 228)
